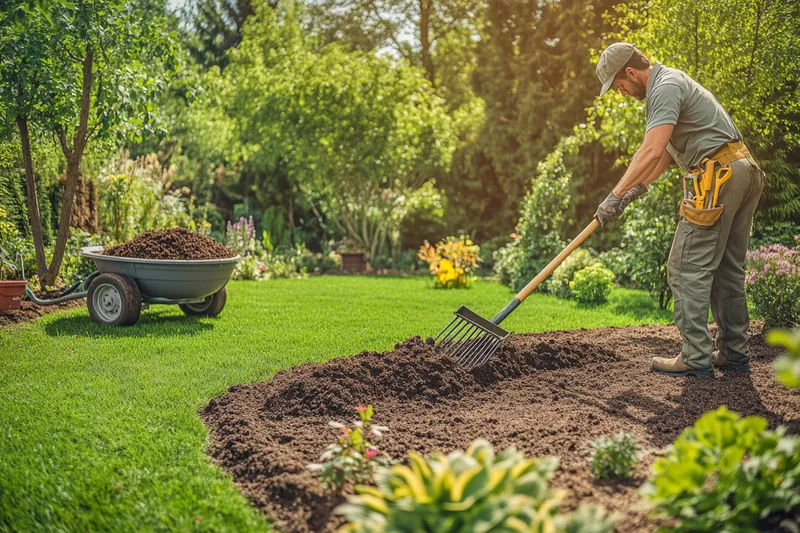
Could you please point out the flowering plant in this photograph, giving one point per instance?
(241, 236)
(451, 261)
(353, 459)
(773, 283)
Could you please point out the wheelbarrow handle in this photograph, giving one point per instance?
(577, 241)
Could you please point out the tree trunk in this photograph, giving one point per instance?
(425, 40)
(33, 201)
(74, 156)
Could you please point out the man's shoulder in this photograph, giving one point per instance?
(670, 76)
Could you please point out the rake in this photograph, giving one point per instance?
(472, 340)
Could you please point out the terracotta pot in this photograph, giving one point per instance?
(11, 293)
(353, 262)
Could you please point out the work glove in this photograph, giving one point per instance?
(632, 194)
(609, 209)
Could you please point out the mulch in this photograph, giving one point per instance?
(175, 243)
(30, 311)
(547, 394)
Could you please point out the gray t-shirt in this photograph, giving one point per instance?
(702, 126)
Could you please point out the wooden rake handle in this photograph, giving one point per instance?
(577, 241)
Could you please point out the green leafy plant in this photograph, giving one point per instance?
(353, 459)
(787, 366)
(578, 260)
(773, 284)
(592, 285)
(613, 456)
(467, 492)
(727, 473)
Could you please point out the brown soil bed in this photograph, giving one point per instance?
(30, 311)
(546, 394)
(175, 243)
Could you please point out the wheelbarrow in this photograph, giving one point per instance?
(121, 286)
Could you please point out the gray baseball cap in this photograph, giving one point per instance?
(611, 62)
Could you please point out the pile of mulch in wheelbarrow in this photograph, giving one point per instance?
(175, 243)
(547, 394)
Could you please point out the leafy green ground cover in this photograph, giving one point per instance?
(98, 426)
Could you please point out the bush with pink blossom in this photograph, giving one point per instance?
(773, 284)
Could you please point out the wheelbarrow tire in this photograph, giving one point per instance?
(211, 306)
(114, 300)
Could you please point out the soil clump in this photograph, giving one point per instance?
(174, 243)
(30, 311)
(546, 394)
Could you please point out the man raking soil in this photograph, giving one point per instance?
(687, 125)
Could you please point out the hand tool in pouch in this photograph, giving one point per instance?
(472, 340)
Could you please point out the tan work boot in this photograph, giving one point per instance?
(675, 367)
(719, 360)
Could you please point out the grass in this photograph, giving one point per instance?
(98, 426)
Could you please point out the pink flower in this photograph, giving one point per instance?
(370, 453)
(361, 408)
(514, 236)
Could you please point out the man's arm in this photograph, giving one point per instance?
(648, 159)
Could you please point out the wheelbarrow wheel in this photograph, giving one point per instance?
(114, 300)
(210, 306)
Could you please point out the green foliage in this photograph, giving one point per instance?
(463, 492)
(353, 459)
(357, 132)
(75, 267)
(784, 233)
(565, 272)
(773, 284)
(592, 285)
(787, 366)
(452, 261)
(727, 473)
(613, 456)
(136, 197)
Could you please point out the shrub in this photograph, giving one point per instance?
(488, 249)
(773, 283)
(75, 267)
(787, 366)
(578, 260)
(617, 261)
(467, 492)
(727, 473)
(592, 285)
(353, 459)
(613, 456)
(783, 233)
(452, 261)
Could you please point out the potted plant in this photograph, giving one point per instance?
(12, 288)
(353, 256)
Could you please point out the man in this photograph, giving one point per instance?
(685, 123)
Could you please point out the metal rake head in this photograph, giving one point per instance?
(470, 338)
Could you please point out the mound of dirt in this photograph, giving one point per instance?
(175, 243)
(546, 394)
(30, 311)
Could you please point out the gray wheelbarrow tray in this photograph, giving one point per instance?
(192, 284)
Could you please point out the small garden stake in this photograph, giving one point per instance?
(472, 340)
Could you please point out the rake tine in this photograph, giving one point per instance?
(472, 357)
(470, 350)
(488, 355)
(457, 343)
(446, 341)
(466, 342)
(454, 321)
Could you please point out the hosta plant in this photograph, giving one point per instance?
(727, 473)
(353, 458)
(613, 456)
(452, 261)
(476, 491)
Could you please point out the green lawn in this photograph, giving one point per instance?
(98, 426)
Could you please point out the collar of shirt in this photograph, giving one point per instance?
(651, 79)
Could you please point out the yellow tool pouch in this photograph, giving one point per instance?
(707, 180)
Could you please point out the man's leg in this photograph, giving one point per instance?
(728, 297)
(696, 253)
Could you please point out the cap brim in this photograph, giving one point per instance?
(607, 84)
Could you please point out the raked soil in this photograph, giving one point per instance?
(547, 394)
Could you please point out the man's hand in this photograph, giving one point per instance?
(631, 195)
(609, 209)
